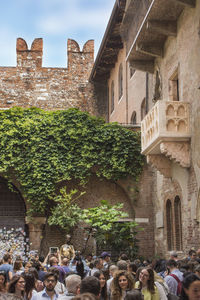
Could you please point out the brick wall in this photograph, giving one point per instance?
(29, 84)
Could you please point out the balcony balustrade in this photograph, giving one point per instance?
(165, 134)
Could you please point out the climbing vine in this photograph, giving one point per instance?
(41, 149)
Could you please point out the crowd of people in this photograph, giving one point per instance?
(92, 278)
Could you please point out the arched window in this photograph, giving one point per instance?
(112, 97)
(134, 118)
(177, 223)
(169, 223)
(143, 109)
(120, 81)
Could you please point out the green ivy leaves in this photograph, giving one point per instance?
(41, 149)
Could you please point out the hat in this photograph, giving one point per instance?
(104, 254)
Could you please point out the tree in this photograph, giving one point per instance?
(109, 229)
(66, 214)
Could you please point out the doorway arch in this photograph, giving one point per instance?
(12, 206)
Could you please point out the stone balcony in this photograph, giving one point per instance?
(165, 133)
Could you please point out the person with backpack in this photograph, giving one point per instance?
(174, 277)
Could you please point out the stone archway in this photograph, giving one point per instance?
(12, 207)
(13, 230)
(15, 227)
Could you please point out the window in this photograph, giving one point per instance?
(173, 224)
(174, 87)
(177, 220)
(169, 225)
(112, 97)
(143, 109)
(120, 81)
(133, 118)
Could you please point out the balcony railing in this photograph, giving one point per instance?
(167, 121)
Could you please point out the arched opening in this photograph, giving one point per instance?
(12, 206)
(112, 97)
(177, 223)
(13, 231)
(143, 109)
(120, 81)
(169, 224)
(134, 118)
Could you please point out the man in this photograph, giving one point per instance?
(106, 259)
(72, 283)
(192, 255)
(54, 263)
(89, 259)
(174, 278)
(65, 265)
(49, 293)
(122, 265)
(173, 255)
(112, 270)
(91, 285)
(7, 267)
(98, 265)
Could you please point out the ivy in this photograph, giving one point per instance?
(41, 149)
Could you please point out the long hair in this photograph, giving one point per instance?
(17, 265)
(150, 282)
(116, 291)
(187, 281)
(104, 289)
(30, 284)
(3, 288)
(13, 282)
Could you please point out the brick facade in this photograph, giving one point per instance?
(30, 85)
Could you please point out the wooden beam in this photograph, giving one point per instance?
(168, 28)
(150, 49)
(143, 65)
(101, 77)
(116, 44)
(189, 3)
(105, 65)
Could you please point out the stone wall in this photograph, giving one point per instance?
(29, 84)
(181, 57)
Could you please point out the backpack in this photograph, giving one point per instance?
(179, 287)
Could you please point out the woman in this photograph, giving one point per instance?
(3, 282)
(27, 266)
(132, 268)
(18, 267)
(17, 286)
(190, 288)
(122, 282)
(102, 279)
(146, 284)
(30, 286)
(39, 286)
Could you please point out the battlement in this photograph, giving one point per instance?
(29, 58)
(29, 84)
(33, 58)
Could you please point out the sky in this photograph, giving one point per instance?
(53, 20)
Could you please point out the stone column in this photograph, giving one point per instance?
(35, 226)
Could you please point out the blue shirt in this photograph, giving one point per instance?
(6, 268)
(43, 295)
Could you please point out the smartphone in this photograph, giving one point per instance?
(53, 249)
